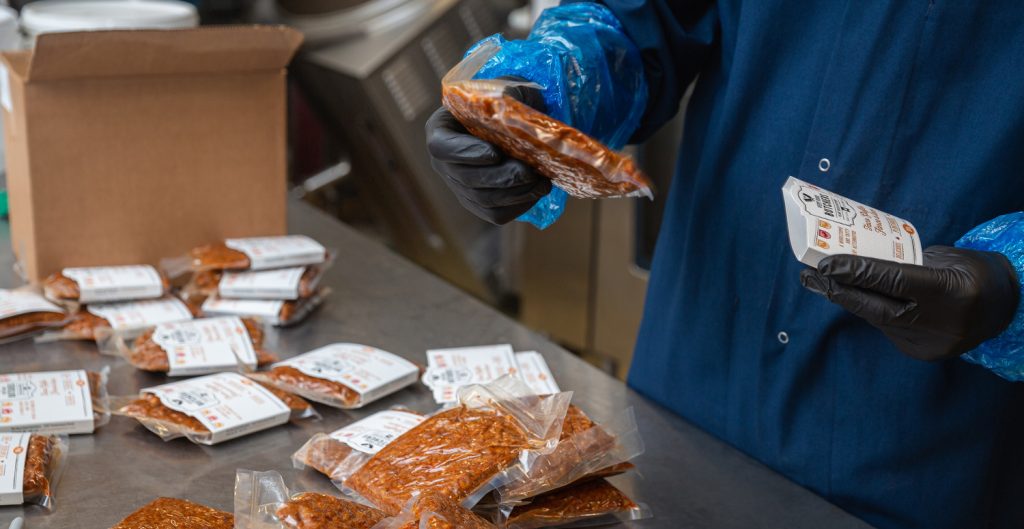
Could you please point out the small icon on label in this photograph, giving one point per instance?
(824, 234)
(908, 228)
(823, 245)
(824, 224)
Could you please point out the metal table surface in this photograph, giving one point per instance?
(688, 478)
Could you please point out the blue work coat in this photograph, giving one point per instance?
(915, 107)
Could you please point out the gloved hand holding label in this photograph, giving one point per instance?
(822, 223)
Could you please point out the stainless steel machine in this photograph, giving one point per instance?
(372, 70)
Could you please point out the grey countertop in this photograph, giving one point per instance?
(688, 478)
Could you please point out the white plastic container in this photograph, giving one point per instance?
(52, 16)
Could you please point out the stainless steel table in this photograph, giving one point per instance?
(689, 479)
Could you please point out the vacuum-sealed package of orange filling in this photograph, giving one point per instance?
(432, 510)
(463, 451)
(30, 467)
(214, 408)
(263, 501)
(340, 453)
(54, 402)
(249, 253)
(585, 450)
(575, 162)
(276, 312)
(292, 283)
(99, 321)
(343, 375)
(594, 502)
(194, 347)
(24, 313)
(98, 284)
(167, 513)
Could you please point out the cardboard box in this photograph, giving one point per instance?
(124, 147)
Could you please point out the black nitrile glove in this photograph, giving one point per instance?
(491, 185)
(957, 300)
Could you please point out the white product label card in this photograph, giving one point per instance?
(13, 453)
(535, 372)
(266, 309)
(116, 283)
(46, 402)
(129, 315)
(228, 404)
(266, 284)
(17, 302)
(278, 252)
(200, 347)
(450, 369)
(822, 223)
(370, 372)
(371, 434)
(5, 88)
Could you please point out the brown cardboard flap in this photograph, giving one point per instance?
(214, 49)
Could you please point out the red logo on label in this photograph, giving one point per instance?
(824, 234)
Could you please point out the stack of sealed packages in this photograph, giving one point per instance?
(500, 456)
(107, 299)
(275, 279)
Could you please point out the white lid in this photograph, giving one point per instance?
(47, 16)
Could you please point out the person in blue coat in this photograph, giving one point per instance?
(915, 108)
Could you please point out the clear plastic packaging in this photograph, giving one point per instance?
(575, 162)
(262, 501)
(595, 502)
(585, 450)
(340, 453)
(24, 313)
(96, 321)
(249, 253)
(106, 284)
(169, 513)
(342, 375)
(464, 451)
(214, 408)
(435, 511)
(193, 347)
(291, 283)
(40, 458)
(81, 405)
(280, 313)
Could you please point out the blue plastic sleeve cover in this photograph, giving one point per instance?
(1004, 354)
(591, 77)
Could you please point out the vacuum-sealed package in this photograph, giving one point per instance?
(433, 510)
(575, 162)
(340, 453)
(292, 283)
(822, 223)
(194, 347)
(23, 313)
(106, 284)
(262, 501)
(30, 467)
(54, 402)
(98, 321)
(595, 502)
(343, 375)
(172, 513)
(452, 368)
(277, 312)
(585, 450)
(214, 408)
(250, 253)
(462, 452)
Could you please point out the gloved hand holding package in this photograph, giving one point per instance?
(575, 162)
